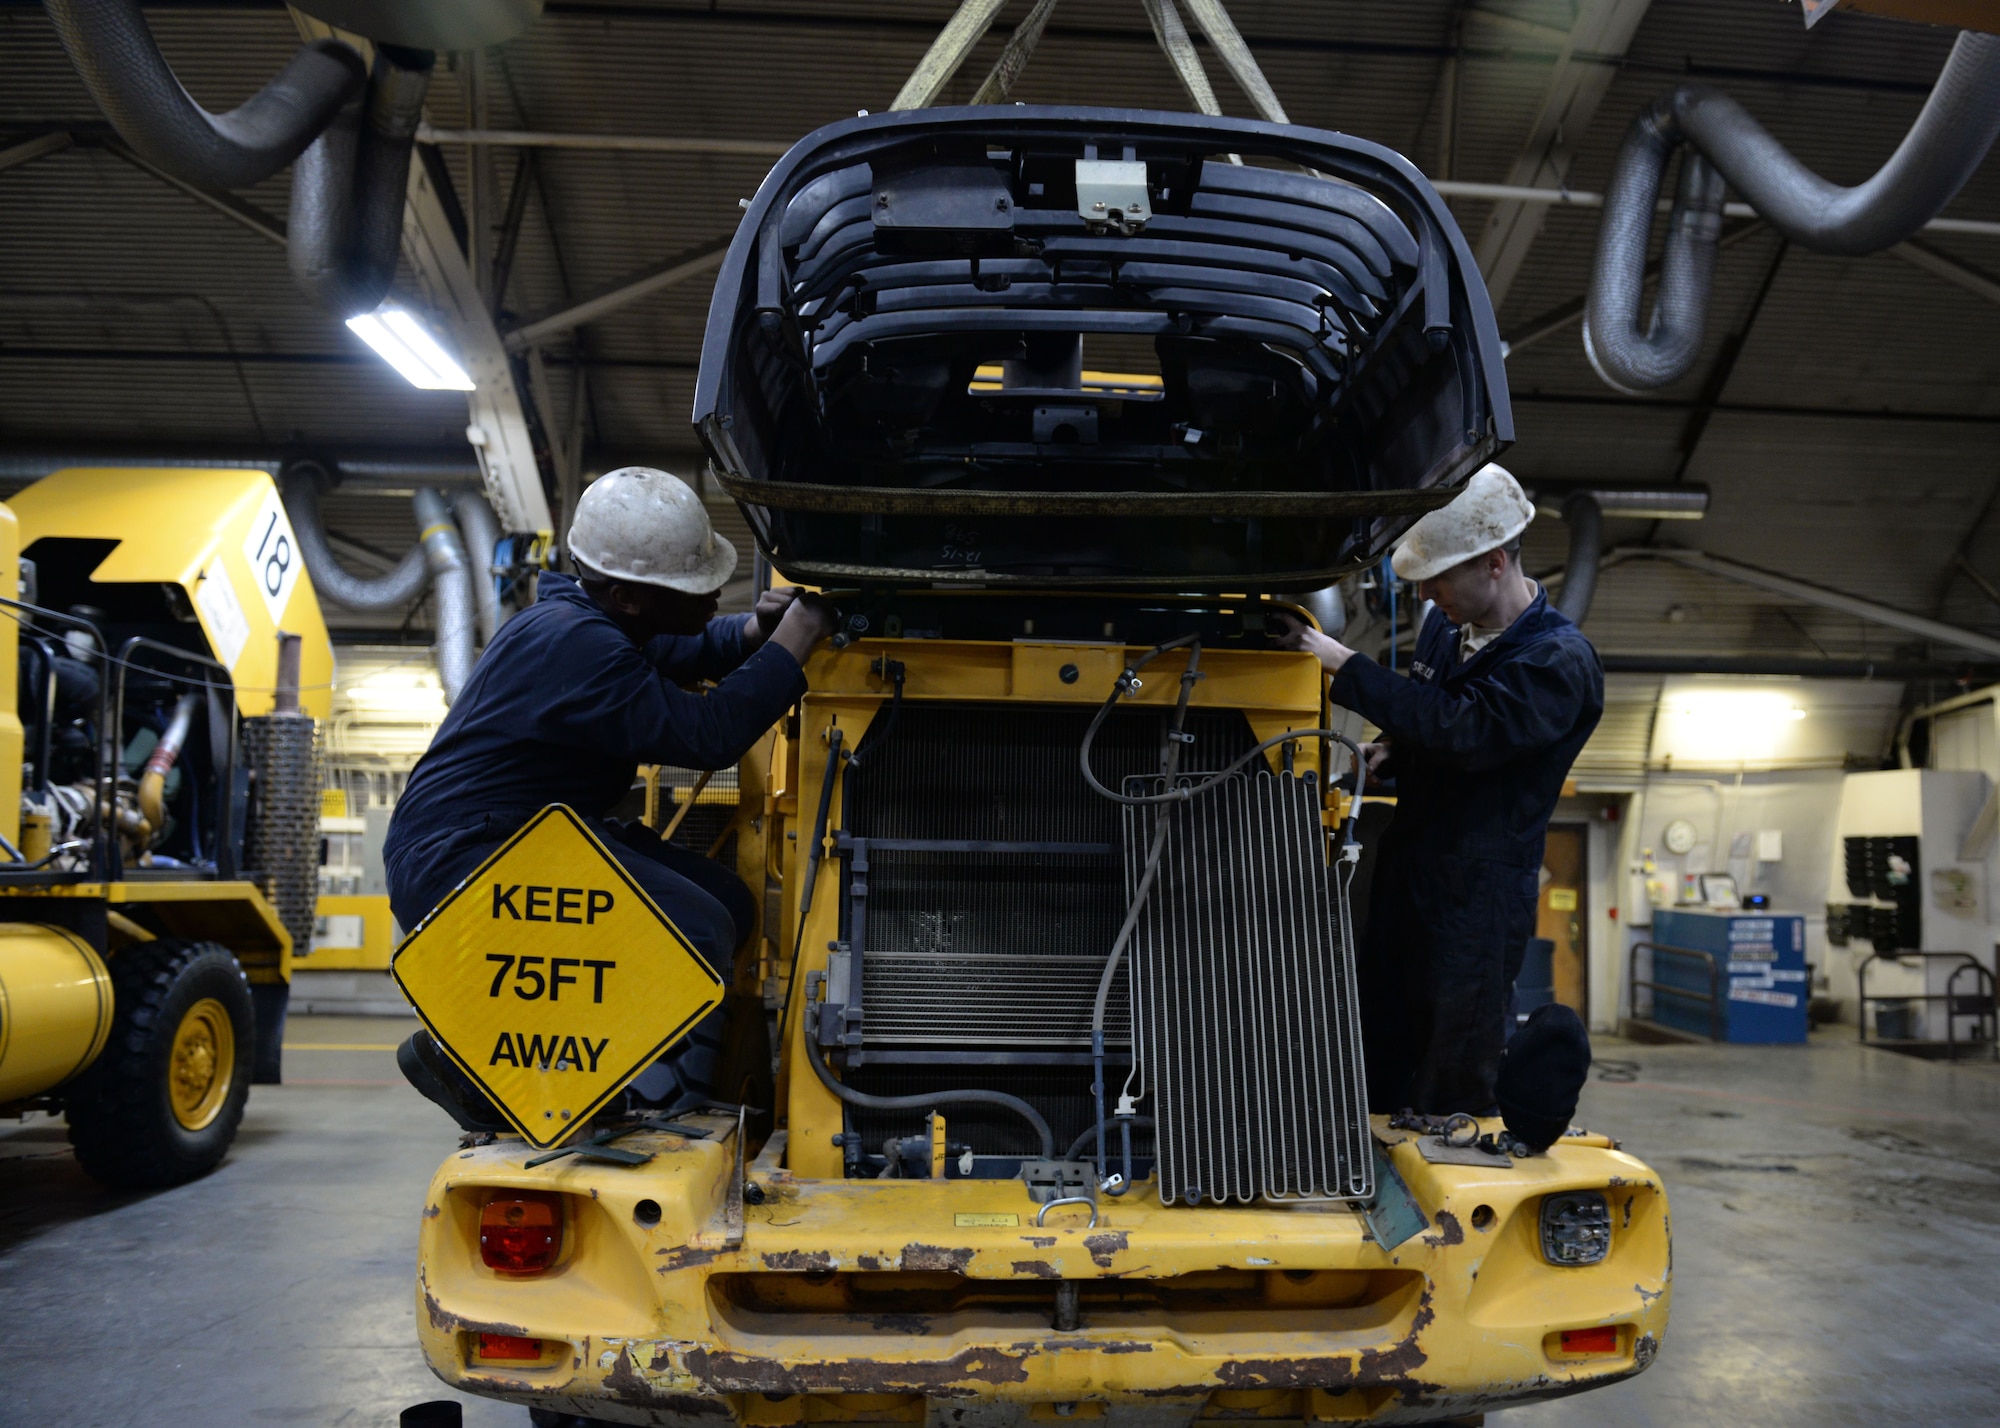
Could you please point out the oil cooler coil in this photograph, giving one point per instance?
(55, 1008)
(1244, 992)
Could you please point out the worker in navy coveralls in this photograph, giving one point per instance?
(1503, 691)
(575, 692)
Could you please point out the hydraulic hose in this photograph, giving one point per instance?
(1585, 519)
(457, 625)
(1943, 147)
(346, 224)
(115, 56)
(480, 529)
(931, 1099)
(160, 762)
(300, 486)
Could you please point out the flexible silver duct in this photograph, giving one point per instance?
(346, 224)
(480, 529)
(350, 130)
(1942, 149)
(1585, 519)
(454, 644)
(115, 56)
(300, 486)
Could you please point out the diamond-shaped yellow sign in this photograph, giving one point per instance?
(551, 977)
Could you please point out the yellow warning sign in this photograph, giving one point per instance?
(551, 977)
(1562, 899)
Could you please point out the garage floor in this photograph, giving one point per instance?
(1835, 1213)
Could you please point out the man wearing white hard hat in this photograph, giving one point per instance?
(570, 697)
(1503, 690)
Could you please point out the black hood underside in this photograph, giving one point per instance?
(1042, 347)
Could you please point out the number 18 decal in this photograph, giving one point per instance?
(272, 552)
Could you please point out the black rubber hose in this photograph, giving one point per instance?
(1940, 152)
(1082, 1142)
(931, 1099)
(1585, 519)
(300, 486)
(115, 56)
(346, 224)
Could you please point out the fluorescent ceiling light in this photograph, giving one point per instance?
(401, 341)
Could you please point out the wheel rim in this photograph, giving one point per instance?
(203, 1064)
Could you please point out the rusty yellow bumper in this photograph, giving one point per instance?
(936, 1301)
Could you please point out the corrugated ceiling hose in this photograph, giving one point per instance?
(1942, 149)
(454, 644)
(114, 54)
(481, 530)
(300, 485)
(1585, 519)
(346, 224)
(350, 130)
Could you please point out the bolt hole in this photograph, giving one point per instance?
(1482, 1217)
(1068, 674)
(1298, 1276)
(647, 1213)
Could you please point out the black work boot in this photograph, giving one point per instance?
(425, 1066)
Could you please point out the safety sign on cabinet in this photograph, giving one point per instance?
(551, 978)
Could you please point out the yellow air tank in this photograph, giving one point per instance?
(55, 1008)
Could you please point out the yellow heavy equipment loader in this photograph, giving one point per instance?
(158, 806)
(1048, 1100)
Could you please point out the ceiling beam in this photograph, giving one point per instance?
(1943, 265)
(28, 150)
(1597, 39)
(1807, 593)
(703, 258)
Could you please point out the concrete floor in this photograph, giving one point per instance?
(1835, 1214)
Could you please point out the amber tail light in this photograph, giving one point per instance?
(521, 1232)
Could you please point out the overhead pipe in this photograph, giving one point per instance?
(480, 529)
(1585, 519)
(115, 56)
(1726, 147)
(346, 218)
(453, 641)
(349, 129)
(300, 487)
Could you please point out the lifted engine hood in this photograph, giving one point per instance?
(1024, 346)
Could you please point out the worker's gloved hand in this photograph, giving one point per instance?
(770, 609)
(807, 620)
(1325, 648)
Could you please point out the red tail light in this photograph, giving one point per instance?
(1590, 1341)
(520, 1232)
(509, 1348)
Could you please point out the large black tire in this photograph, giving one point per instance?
(161, 1104)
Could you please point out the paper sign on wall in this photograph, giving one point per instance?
(1562, 899)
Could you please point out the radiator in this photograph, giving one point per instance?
(1243, 978)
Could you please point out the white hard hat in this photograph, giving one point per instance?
(643, 525)
(1489, 512)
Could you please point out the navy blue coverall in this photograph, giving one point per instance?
(561, 708)
(1479, 752)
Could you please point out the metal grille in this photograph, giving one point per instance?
(1000, 949)
(1243, 973)
(281, 844)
